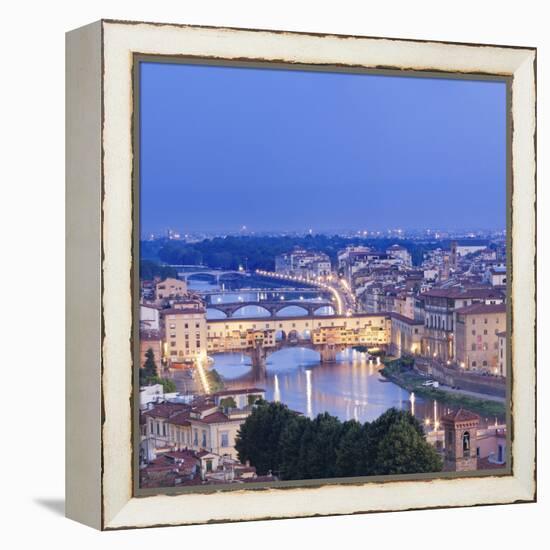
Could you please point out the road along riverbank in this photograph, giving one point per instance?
(401, 372)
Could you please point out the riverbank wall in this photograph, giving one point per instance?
(449, 376)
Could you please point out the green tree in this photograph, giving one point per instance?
(258, 438)
(403, 451)
(319, 444)
(291, 446)
(253, 399)
(352, 450)
(396, 445)
(292, 465)
(149, 269)
(215, 381)
(228, 403)
(148, 372)
(169, 386)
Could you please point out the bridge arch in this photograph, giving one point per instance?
(258, 311)
(213, 312)
(293, 335)
(311, 354)
(292, 313)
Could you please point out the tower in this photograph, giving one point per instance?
(460, 440)
(453, 255)
(444, 271)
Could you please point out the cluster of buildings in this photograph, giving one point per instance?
(192, 441)
(451, 308)
(186, 439)
(303, 263)
(355, 259)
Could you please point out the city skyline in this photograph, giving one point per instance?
(397, 137)
(387, 232)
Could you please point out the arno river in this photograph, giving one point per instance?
(351, 388)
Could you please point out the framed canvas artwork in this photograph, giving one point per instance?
(300, 274)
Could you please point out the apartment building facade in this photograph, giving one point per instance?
(439, 307)
(477, 340)
(185, 333)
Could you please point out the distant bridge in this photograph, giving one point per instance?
(271, 307)
(268, 291)
(187, 272)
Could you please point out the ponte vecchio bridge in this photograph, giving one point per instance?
(328, 334)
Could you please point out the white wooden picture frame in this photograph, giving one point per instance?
(99, 460)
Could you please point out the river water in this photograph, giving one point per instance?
(348, 389)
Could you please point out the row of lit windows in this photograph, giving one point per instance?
(484, 346)
(474, 364)
(319, 325)
(172, 326)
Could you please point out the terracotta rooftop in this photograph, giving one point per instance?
(216, 418)
(180, 454)
(462, 415)
(204, 406)
(465, 293)
(181, 311)
(405, 319)
(167, 409)
(479, 309)
(170, 466)
(181, 419)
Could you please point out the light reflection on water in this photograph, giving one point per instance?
(348, 389)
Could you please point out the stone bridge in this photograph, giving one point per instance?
(327, 334)
(214, 274)
(259, 353)
(272, 307)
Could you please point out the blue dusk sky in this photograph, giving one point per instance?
(285, 150)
